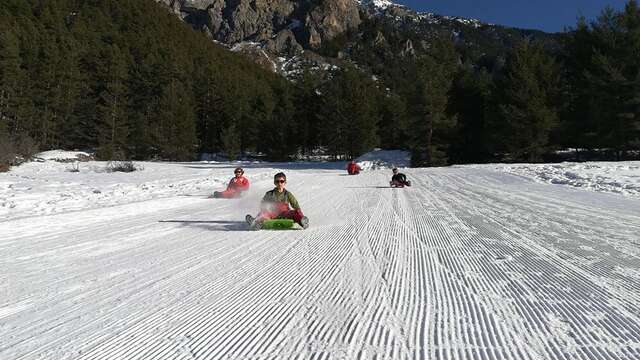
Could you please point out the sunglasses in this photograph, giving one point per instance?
(281, 181)
(238, 172)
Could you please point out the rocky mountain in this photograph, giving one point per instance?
(282, 34)
(282, 26)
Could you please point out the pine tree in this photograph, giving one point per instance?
(351, 113)
(393, 129)
(176, 134)
(231, 141)
(621, 73)
(527, 101)
(112, 104)
(577, 128)
(208, 99)
(603, 70)
(432, 124)
(470, 100)
(308, 107)
(12, 81)
(277, 132)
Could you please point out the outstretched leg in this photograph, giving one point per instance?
(297, 216)
(227, 194)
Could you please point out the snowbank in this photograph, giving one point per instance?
(613, 177)
(384, 159)
(51, 187)
(57, 182)
(63, 155)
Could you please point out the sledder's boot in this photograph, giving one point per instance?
(253, 224)
(304, 222)
(256, 225)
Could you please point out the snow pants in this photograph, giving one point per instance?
(400, 183)
(281, 212)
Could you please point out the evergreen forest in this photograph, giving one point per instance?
(128, 80)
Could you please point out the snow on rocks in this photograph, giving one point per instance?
(612, 177)
(384, 159)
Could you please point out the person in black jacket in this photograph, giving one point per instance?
(399, 179)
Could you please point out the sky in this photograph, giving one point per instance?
(546, 15)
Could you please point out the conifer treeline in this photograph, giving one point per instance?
(131, 81)
(460, 107)
(586, 96)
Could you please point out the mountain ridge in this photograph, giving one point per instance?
(284, 34)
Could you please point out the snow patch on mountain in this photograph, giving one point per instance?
(470, 22)
(382, 4)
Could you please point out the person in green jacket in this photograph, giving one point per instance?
(280, 203)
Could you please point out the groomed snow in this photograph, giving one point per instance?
(468, 263)
(614, 177)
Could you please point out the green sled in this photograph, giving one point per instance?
(278, 224)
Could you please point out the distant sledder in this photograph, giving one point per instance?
(353, 168)
(237, 185)
(275, 211)
(399, 179)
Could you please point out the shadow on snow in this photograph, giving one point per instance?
(213, 225)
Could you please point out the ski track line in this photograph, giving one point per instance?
(462, 265)
(631, 292)
(147, 256)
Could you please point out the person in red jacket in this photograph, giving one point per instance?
(236, 187)
(353, 168)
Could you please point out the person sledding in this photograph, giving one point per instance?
(399, 179)
(237, 185)
(279, 203)
(353, 168)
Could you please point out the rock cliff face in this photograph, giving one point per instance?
(329, 19)
(284, 26)
(284, 34)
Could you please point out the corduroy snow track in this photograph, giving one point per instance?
(467, 263)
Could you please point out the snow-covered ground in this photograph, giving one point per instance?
(50, 187)
(469, 263)
(384, 159)
(615, 177)
(62, 155)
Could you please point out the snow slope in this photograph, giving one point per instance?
(469, 263)
(50, 187)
